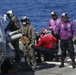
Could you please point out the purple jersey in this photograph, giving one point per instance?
(54, 23)
(66, 30)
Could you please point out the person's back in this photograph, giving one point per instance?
(12, 26)
(16, 23)
(46, 46)
(48, 41)
(13, 23)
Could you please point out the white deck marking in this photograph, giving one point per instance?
(58, 63)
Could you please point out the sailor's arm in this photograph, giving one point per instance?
(8, 27)
(33, 37)
(15, 32)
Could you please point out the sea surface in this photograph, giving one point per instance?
(38, 10)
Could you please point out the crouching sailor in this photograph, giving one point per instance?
(46, 46)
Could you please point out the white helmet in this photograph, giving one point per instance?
(25, 19)
(10, 13)
(65, 15)
(54, 13)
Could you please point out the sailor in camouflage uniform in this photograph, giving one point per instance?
(28, 40)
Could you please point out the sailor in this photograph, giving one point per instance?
(66, 31)
(54, 21)
(12, 26)
(28, 39)
(46, 46)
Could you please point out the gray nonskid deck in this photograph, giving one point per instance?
(48, 68)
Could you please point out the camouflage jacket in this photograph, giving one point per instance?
(29, 31)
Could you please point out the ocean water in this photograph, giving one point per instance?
(38, 10)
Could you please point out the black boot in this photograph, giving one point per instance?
(56, 57)
(73, 63)
(62, 64)
(39, 60)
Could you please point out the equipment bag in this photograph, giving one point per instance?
(25, 40)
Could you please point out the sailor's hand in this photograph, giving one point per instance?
(32, 45)
(50, 27)
(54, 32)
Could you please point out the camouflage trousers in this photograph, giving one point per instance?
(30, 58)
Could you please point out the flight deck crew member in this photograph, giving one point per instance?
(46, 45)
(12, 26)
(54, 21)
(66, 31)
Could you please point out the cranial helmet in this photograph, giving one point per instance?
(44, 31)
(65, 15)
(25, 19)
(10, 13)
(54, 13)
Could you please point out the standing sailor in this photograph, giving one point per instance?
(54, 21)
(66, 31)
(29, 32)
(46, 46)
(12, 26)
